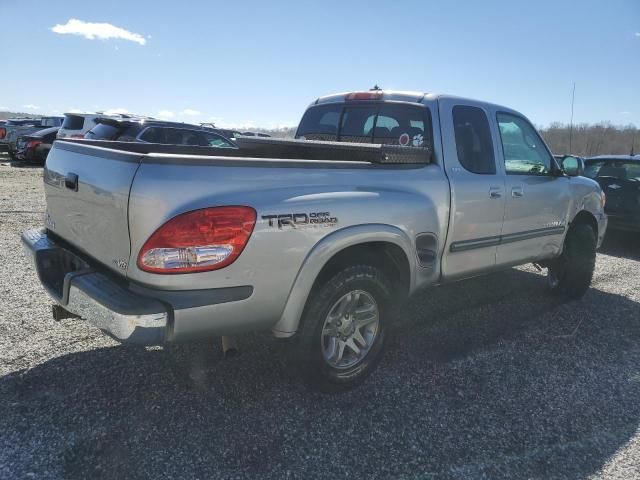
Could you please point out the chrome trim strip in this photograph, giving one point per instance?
(475, 243)
(504, 239)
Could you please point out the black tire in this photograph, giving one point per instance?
(309, 347)
(570, 274)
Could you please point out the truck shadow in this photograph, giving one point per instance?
(621, 244)
(508, 383)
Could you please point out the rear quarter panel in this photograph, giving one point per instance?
(409, 199)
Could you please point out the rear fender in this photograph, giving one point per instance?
(322, 252)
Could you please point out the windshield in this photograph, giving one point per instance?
(391, 123)
(619, 169)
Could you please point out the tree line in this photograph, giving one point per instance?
(588, 140)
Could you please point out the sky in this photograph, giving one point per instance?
(260, 63)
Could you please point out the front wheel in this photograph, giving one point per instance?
(570, 275)
(343, 328)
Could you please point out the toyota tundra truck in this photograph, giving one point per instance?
(319, 238)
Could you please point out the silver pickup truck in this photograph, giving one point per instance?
(310, 238)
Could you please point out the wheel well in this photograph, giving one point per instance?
(586, 218)
(388, 257)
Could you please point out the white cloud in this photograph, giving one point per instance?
(625, 113)
(637, 34)
(116, 111)
(91, 31)
(4, 108)
(190, 112)
(166, 114)
(30, 106)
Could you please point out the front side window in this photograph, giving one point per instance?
(473, 139)
(523, 149)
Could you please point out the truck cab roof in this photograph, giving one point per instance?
(400, 96)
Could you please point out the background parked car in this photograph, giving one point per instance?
(619, 178)
(15, 128)
(254, 134)
(157, 131)
(35, 147)
(75, 125)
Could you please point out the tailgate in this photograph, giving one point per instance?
(87, 193)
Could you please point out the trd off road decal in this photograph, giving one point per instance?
(301, 220)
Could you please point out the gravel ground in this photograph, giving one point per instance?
(507, 383)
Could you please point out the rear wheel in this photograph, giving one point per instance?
(569, 276)
(343, 328)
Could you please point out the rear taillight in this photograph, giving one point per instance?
(34, 143)
(3, 132)
(198, 241)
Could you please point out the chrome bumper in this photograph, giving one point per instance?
(97, 298)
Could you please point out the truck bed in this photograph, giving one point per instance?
(287, 149)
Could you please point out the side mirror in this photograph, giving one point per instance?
(572, 166)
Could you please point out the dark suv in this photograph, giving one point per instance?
(619, 178)
(156, 131)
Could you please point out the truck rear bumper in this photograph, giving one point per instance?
(128, 312)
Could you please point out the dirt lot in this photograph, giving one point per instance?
(488, 378)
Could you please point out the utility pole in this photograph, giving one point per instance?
(573, 97)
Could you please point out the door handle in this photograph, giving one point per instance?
(71, 181)
(516, 192)
(495, 192)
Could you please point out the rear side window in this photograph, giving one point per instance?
(73, 122)
(473, 139)
(213, 140)
(320, 123)
(177, 136)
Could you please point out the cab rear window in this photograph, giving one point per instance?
(384, 123)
